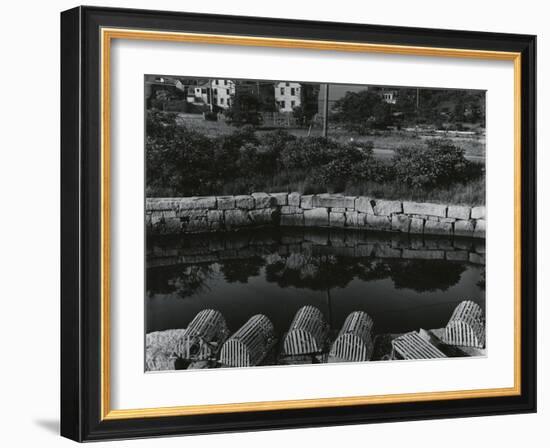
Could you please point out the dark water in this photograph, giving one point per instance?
(404, 283)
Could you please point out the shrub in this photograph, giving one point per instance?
(439, 162)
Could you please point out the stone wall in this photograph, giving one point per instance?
(221, 213)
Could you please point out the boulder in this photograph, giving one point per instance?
(417, 226)
(306, 201)
(195, 202)
(438, 228)
(337, 219)
(400, 223)
(387, 208)
(478, 212)
(280, 198)
(226, 202)
(458, 212)
(425, 208)
(363, 204)
(355, 219)
(378, 222)
(244, 202)
(479, 230)
(294, 199)
(263, 200)
(316, 217)
(215, 215)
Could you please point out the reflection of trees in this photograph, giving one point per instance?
(182, 280)
(426, 275)
(481, 282)
(242, 269)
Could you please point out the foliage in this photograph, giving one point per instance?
(438, 162)
(245, 109)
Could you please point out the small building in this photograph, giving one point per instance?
(307, 334)
(199, 94)
(389, 96)
(250, 344)
(223, 91)
(287, 96)
(413, 346)
(203, 337)
(466, 327)
(355, 341)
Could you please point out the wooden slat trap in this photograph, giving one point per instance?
(466, 326)
(307, 333)
(203, 337)
(413, 346)
(250, 344)
(354, 342)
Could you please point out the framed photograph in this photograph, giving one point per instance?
(275, 224)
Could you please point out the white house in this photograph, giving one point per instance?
(223, 91)
(198, 94)
(389, 96)
(287, 96)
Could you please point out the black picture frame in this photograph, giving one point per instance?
(81, 224)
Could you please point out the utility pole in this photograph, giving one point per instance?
(325, 112)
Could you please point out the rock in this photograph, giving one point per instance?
(417, 226)
(280, 198)
(337, 219)
(479, 230)
(306, 201)
(425, 208)
(292, 220)
(476, 258)
(171, 225)
(160, 204)
(262, 216)
(478, 212)
(400, 223)
(291, 210)
(338, 210)
(458, 212)
(355, 219)
(226, 202)
(386, 208)
(378, 222)
(236, 218)
(423, 254)
(456, 255)
(263, 200)
(333, 200)
(160, 347)
(244, 202)
(363, 204)
(215, 215)
(438, 228)
(195, 225)
(316, 217)
(464, 228)
(196, 202)
(294, 199)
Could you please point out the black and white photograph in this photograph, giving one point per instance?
(292, 222)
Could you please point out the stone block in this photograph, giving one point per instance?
(225, 202)
(292, 220)
(333, 200)
(291, 210)
(263, 200)
(456, 255)
(262, 216)
(478, 212)
(400, 223)
(160, 204)
(338, 210)
(316, 217)
(244, 202)
(236, 218)
(417, 226)
(387, 208)
(337, 219)
(294, 199)
(196, 202)
(476, 258)
(464, 228)
(195, 225)
(458, 212)
(425, 208)
(438, 228)
(215, 215)
(355, 219)
(378, 222)
(423, 254)
(280, 198)
(479, 230)
(363, 204)
(306, 201)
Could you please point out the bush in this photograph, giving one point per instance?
(437, 163)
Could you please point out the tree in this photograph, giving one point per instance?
(245, 109)
(363, 110)
(309, 99)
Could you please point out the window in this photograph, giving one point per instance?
(224, 82)
(221, 100)
(292, 104)
(292, 91)
(287, 84)
(283, 105)
(217, 82)
(203, 90)
(282, 90)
